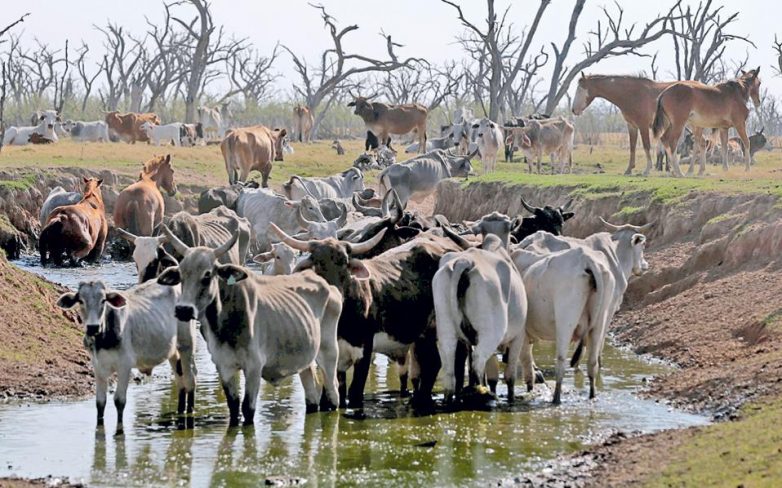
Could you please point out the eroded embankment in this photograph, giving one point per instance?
(710, 304)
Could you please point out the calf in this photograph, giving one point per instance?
(489, 140)
(279, 261)
(268, 327)
(135, 328)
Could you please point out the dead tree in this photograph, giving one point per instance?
(118, 65)
(87, 78)
(250, 74)
(63, 89)
(322, 83)
(491, 47)
(3, 81)
(700, 39)
(610, 37)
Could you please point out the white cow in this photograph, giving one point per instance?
(20, 136)
(479, 299)
(489, 140)
(57, 198)
(96, 131)
(212, 122)
(163, 133)
(279, 261)
(135, 328)
(341, 185)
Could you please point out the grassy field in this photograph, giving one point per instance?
(203, 166)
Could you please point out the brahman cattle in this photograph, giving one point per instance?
(341, 185)
(304, 122)
(552, 136)
(211, 121)
(251, 148)
(268, 327)
(97, 131)
(43, 128)
(279, 261)
(488, 138)
(165, 134)
(384, 119)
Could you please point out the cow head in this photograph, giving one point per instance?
(278, 136)
(331, 259)
(92, 298)
(282, 258)
(200, 275)
(148, 254)
(484, 127)
(582, 98)
(460, 166)
(496, 224)
(635, 241)
(364, 108)
(548, 219)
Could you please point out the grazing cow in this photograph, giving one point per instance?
(57, 198)
(279, 261)
(569, 294)
(489, 140)
(158, 134)
(262, 206)
(189, 134)
(43, 127)
(336, 145)
(135, 328)
(211, 121)
(384, 119)
(127, 126)
(341, 185)
(78, 231)
(140, 207)
(387, 306)
(250, 148)
(265, 326)
(304, 122)
(417, 178)
(97, 131)
(479, 300)
(553, 136)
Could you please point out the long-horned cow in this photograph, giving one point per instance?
(385, 119)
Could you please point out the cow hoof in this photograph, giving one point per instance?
(120, 431)
(356, 403)
(312, 408)
(233, 422)
(404, 393)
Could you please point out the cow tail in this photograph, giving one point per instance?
(661, 120)
(48, 234)
(287, 187)
(459, 283)
(598, 312)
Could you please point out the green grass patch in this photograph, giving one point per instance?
(23, 183)
(742, 453)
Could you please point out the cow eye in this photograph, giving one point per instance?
(207, 276)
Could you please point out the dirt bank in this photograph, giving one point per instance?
(41, 351)
(709, 304)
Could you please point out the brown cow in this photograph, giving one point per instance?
(304, 122)
(384, 119)
(128, 126)
(249, 148)
(140, 207)
(78, 230)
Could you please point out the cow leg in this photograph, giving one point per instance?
(633, 132)
(593, 363)
(342, 378)
(403, 369)
(647, 143)
(265, 176)
(186, 348)
(742, 131)
(700, 150)
(252, 386)
(514, 352)
(328, 355)
(101, 387)
(563, 340)
(492, 373)
(447, 344)
(230, 382)
(312, 391)
(422, 139)
(360, 373)
(459, 365)
(414, 369)
(120, 396)
(724, 142)
(429, 359)
(176, 369)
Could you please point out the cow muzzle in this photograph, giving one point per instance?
(51, 126)
(185, 312)
(92, 330)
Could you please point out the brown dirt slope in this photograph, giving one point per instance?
(41, 350)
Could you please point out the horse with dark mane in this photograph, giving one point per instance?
(701, 106)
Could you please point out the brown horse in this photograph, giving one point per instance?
(719, 106)
(140, 207)
(78, 230)
(636, 98)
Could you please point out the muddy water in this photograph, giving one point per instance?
(385, 444)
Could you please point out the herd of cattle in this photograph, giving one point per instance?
(345, 272)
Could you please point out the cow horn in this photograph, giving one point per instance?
(366, 246)
(303, 222)
(179, 246)
(566, 206)
(459, 240)
(226, 246)
(529, 208)
(398, 206)
(634, 228)
(294, 243)
(126, 235)
(368, 211)
(342, 218)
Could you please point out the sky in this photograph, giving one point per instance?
(427, 28)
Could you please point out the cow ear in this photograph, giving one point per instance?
(165, 259)
(100, 182)
(168, 159)
(170, 277)
(638, 239)
(568, 215)
(358, 270)
(283, 132)
(231, 273)
(68, 300)
(351, 104)
(86, 180)
(115, 299)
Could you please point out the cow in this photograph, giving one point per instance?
(757, 141)
(444, 142)
(304, 122)
(96, 131)
(268, 327)
(127, 126)
(547, 219)
(223, 195)
(387, 307)
(189, 134)
(134, 328)
(57, 197)
(320, 230)
(279, 261)
(341, 185)
(44, 128)
(553, 136)
(569, 298)
(489, 140)
(158, 134)
(78, 231)
(249, 148)
(211, 121)
(384, 119)
(286, 146)
(262, 206)
(479, 300)
(417, 178)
